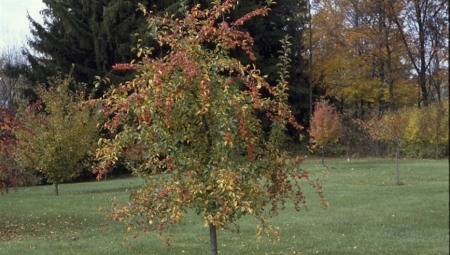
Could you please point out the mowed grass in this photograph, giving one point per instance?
(368, 214)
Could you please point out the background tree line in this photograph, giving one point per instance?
(375, 58)
(369, 58)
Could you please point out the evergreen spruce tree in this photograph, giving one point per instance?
(287, 17)
(64, 41)
(83, 36)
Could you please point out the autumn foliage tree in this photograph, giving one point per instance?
(7, 140)
(64, 135)
(433, 128)
(326, 127)
(194, 113)
(380, 54)
(421, 132)
(11, 123)
(390, 128)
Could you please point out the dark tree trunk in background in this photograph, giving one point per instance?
(55, 188)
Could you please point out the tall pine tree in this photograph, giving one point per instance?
(286, 17)
(85, 36)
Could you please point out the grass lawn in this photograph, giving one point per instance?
(368, 214)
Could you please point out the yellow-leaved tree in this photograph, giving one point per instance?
(64, 136)
(193, 112)
(428, 127)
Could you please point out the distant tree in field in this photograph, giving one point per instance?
(11, 124)
(436, 124)
(8, 125)
(390, 128)
(326, 127)
(394, 126)
(65, 135)
(194, 113)
(427, 127)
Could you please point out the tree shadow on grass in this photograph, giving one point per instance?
(103, 191)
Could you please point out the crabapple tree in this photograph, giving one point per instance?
(193, 111)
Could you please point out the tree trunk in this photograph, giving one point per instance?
(323, 156)
(213, 239)
(55, 188)
(439, 113)
(397, 152)
(422, 72)
(437, 151)
(348, 150)
(310, 65)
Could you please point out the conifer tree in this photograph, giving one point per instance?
(285, 18)
(85, 37)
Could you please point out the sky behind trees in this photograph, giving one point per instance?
(14, 25)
